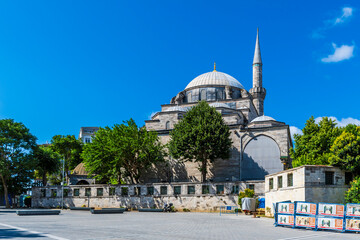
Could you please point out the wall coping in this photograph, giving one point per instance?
(154, 184)
(300, 167)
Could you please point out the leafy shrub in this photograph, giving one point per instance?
(186, 210)
(353, 194)
(27, 201)
(247, 193)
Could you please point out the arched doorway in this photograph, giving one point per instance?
(82, 182)
(260, 157)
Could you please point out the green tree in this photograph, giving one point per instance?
(353, 194)
(346, 150)
(124, 150)
(47, 162)
(313, 146)
(69, 149)
(16, 162)
(201, 136)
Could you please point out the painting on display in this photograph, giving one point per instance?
(286, 208)
(286, 220)
(331, 209)
(353, 210)
(306, 208)
(352, 224)
(305, 221)
(330, 223)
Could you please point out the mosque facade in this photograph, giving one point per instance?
(261, 144)
(260, 147)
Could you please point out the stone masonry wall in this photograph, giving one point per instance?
(138, 196)
(308, 185)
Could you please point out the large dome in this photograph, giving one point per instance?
(214, 78)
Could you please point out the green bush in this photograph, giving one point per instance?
(247, 193)
(186, 210)
(353, 194)
(27, 201)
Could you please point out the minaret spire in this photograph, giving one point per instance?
(257, 54)
(257, 91)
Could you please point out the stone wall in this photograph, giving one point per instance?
(309, 184)
(141, 196)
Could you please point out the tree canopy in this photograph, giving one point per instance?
(352, 195)
(47, 162)
(69, 149)
(201, 136)
(16, 162)
(346, 150)
(125, 150)
(313, 146)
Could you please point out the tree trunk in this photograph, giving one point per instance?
(5, 191)
(44, 179)
(131, 178)
(203, 170)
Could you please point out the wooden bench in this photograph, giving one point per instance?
(8, 211)
(150, 210)
(107, 210)
(37, 212)
(81, 208)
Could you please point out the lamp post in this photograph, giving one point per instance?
(62, 184)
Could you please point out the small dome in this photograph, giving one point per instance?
(80, 170)
(214, 79)
(175, 109)
(263, 118)
(217, 104)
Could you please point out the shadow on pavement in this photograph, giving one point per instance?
(13, 233)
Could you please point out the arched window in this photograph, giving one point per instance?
(189, 97)
(167, 125)
(203, 94)
(211, 95)
(219, 94)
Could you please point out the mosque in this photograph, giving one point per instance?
(261, 147)
(260, 143)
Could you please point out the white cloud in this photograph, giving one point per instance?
(294, 130)
(341, 53)
(343, 122)
(347, 12)
(330, 23)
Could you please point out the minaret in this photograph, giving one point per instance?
(257, 91)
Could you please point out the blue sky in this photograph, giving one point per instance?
(68, 64)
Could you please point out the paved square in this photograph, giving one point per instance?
(135, 225)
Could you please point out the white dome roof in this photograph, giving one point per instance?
(217, 104)
(175, 108)
(214, 78)
(263, 118)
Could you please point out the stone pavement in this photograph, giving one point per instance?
(159, 226)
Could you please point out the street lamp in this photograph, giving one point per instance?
(62, 184)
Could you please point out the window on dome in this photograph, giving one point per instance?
(203, 94)
(211, 95)
(167, 125)
(189, 97)
(219, 95)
